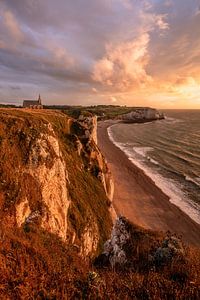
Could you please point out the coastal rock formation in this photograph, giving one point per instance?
(46, 169)
(141, 115)
(90, 125)
(50, 177)
(129, 242)
(114, 249)
(171, 246)
(87, 134)
(90, 238)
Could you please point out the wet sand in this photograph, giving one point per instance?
(138, 198)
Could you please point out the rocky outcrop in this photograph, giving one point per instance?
(46, 167)
(131, 246)
(141, 115)
(23, 211)
(90, 125)
(53, 176)
(85, 137)
(171, 246)
(114, 248)
(88, 135)
(90, 238)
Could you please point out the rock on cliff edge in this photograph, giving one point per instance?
(89, 126)
(130, 247)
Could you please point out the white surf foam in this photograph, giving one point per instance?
(143, 151)
(153, 161)
(195, 180)
(168, 186)
(171, 120)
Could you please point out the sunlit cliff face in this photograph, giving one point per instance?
(126, 52)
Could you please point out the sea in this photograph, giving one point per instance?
(168, 151)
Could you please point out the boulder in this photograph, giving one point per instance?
(171, 247)
(114, 249)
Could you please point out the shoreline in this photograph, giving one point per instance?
(137, 197)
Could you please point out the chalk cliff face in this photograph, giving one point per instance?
(142, 115)
(46, 169)
(89, 124)
(53, 176)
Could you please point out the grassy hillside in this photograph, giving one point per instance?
(37, 265)
(18, 131)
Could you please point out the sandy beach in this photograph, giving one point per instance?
(138, 198)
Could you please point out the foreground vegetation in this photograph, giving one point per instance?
(37, 265)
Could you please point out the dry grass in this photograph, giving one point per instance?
(37, 265)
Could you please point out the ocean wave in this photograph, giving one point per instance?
(173, 190)
(142, 151)
(169, 186)
(195, 180)
(153, 161)
(180, 155)
(172, 120)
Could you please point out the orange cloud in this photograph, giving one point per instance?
(123, 65)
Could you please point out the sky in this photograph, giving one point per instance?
(89, 52)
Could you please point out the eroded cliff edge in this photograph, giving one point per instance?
(53, 176)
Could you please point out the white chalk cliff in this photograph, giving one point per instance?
(142, 115)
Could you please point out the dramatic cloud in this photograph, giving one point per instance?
(123, 67)
(135, 52)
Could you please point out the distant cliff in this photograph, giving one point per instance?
(141, 115)
(52, 175)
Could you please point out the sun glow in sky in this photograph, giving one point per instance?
(126, 52)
